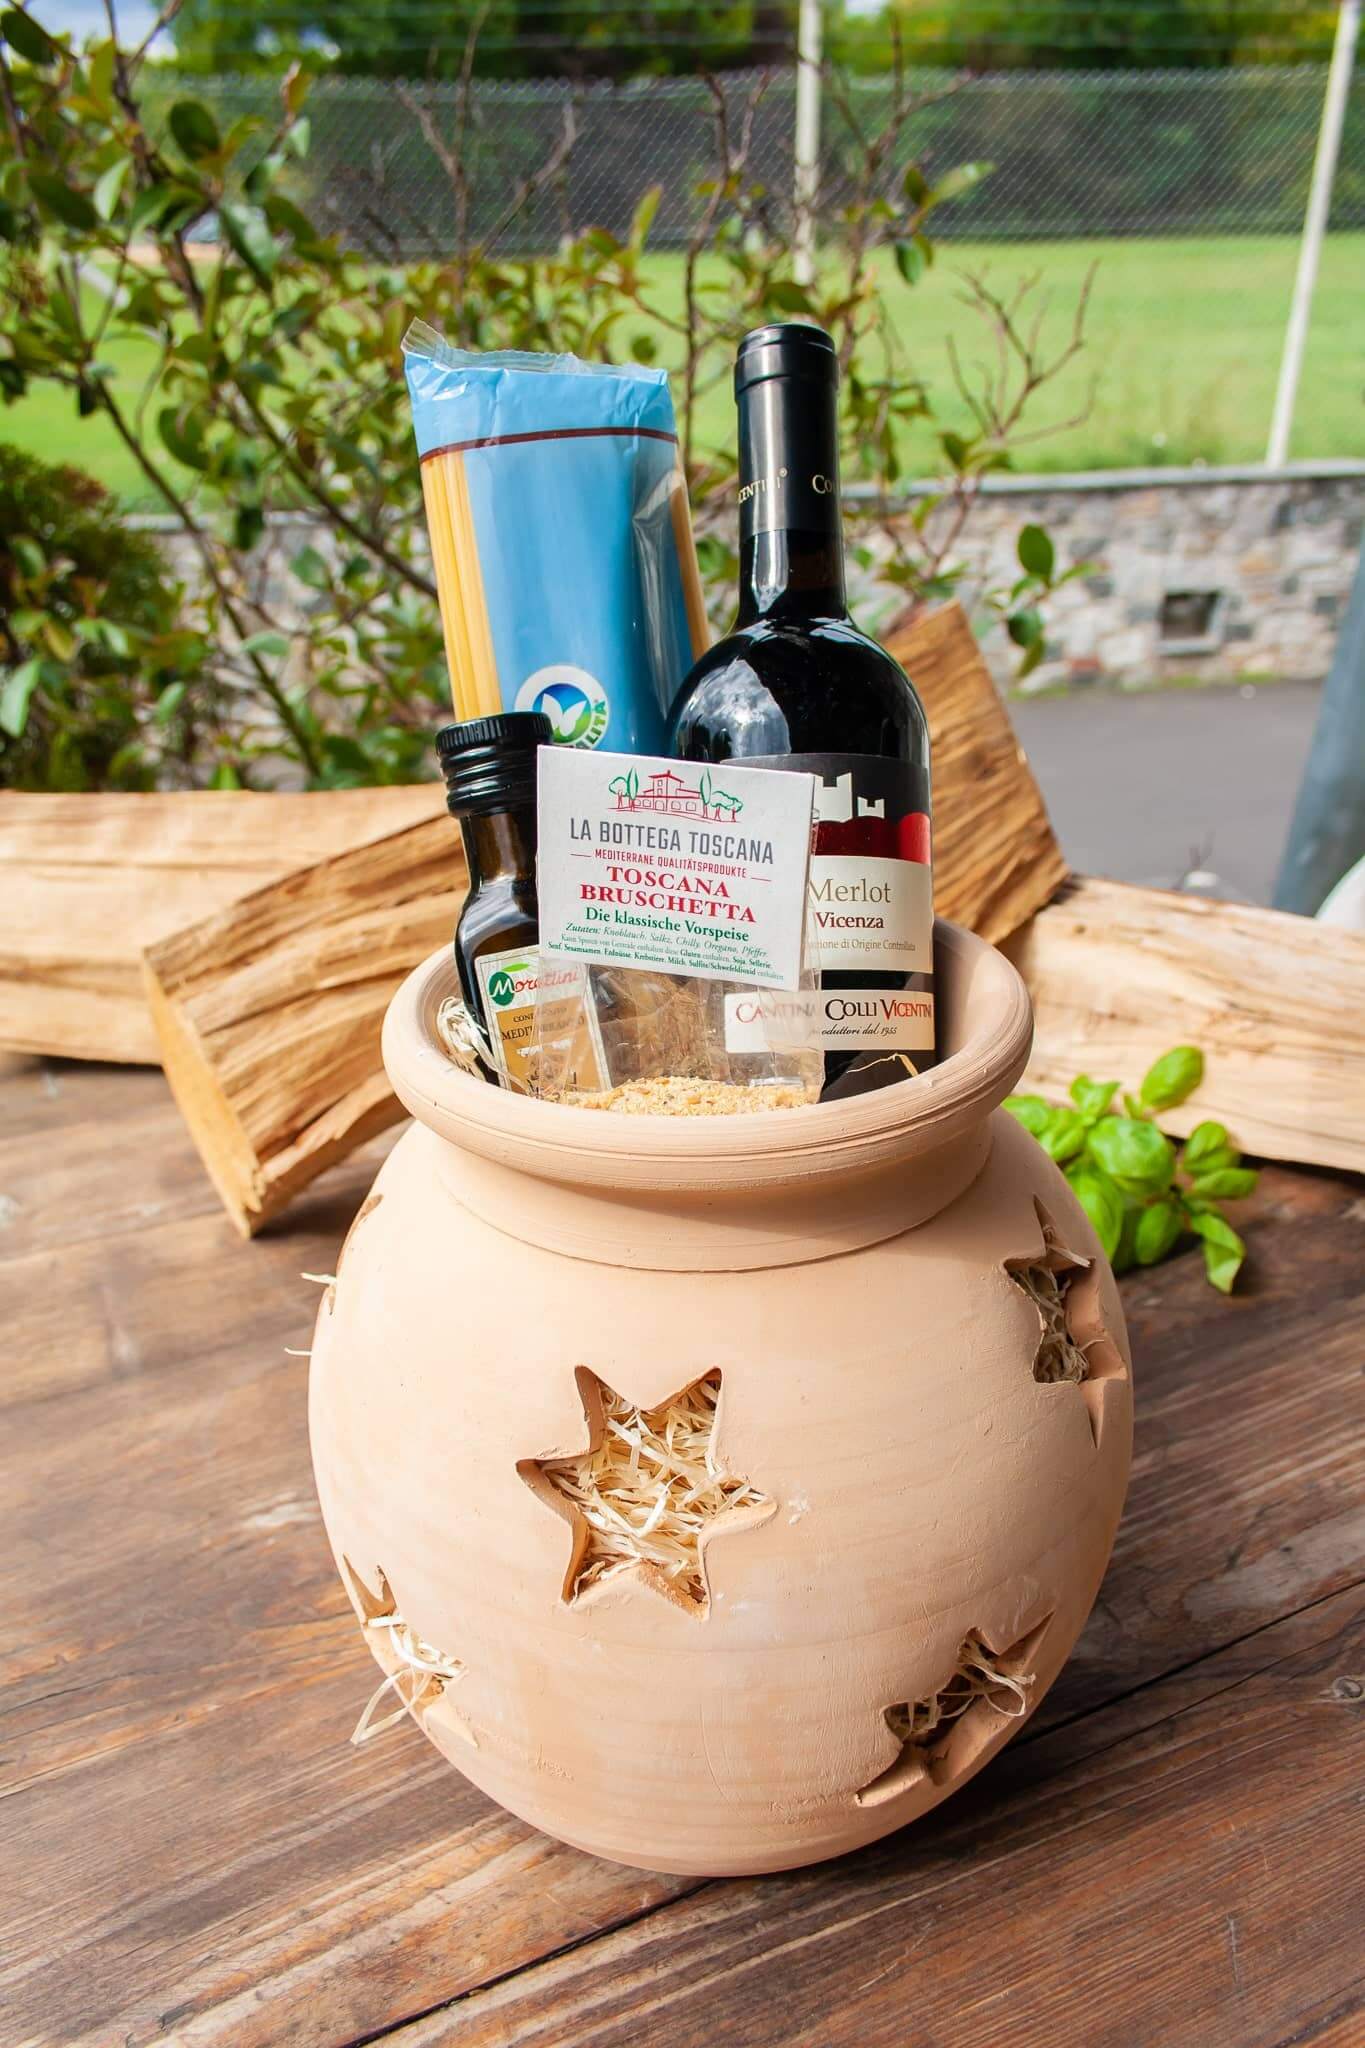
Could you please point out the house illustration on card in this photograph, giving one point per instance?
(668, 793)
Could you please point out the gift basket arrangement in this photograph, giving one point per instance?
(721, 1409)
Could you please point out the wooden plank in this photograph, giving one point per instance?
(1277, 1003)
(1245, 1500)
(1194, 1881)
(97, 1309)
(41, 1093)
(194, 1852)
(87, 881)
(269, 1014)
(996, 859)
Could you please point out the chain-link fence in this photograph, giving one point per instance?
(1075, 153)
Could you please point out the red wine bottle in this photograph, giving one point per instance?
(796, 685)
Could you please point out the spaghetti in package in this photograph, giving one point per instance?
(560, 538)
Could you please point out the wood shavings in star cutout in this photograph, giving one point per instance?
(1046, 1279)
(418, 1673)
(998, 1683)
(647, 1489)
(978, 1675)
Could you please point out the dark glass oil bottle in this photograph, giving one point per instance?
(489, 765)
(796, 685)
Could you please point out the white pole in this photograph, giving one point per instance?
(1314, 228)
(809, 29)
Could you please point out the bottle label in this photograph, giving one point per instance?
(871, 879)
(511, 985)
(871, 901)
(891, 1020)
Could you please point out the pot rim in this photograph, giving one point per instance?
(823, 1140)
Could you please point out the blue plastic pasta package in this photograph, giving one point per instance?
(560, 536)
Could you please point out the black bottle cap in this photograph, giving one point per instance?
(789, 348)
(489, 764)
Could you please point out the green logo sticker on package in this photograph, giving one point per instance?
(511, 984)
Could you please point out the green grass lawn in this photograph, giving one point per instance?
(1183, 349)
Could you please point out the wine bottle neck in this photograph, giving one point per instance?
(791, 575)
(791, 536)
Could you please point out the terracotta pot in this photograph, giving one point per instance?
(848, 1270)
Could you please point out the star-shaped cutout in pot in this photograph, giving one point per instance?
(1003, 1679)
(418, 1673)
(1045, 1277)
(648, 1493)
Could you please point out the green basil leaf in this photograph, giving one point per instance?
(1158, 1227)
(1102, 1203)
(1223, 1253)
(195, 130)
(1124, 1255)
(1174, 1076)
(1030, 1110)
(1203, 1139)
(1063, 1136)
(1092, 1098)
(1226, 1184)
(1135, 1154)
(1213, 1228)
(1037, 555)
(1214, 1162)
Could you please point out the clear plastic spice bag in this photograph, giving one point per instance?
(677, 1045)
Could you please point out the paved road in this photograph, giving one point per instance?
(1173, 785)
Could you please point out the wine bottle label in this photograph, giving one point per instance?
(890, 1020)
(871, 882)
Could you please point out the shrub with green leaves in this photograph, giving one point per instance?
(96, 664)
(272, 383)
(1142, 1192)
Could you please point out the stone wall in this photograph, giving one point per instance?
(1210, 575)
(1192, 574)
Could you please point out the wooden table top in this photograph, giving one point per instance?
(1171, 1851)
